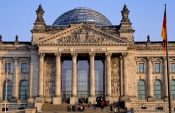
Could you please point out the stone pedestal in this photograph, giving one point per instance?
(92, 99)
(47, 99)
(30, 100)
(73, 100)
(57, 100)
(150, 99)
(165, 99)
(40, 100)
(126, 98)
(38, 106)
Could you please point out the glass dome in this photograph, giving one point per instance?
(82, 15)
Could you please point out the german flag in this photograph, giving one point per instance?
(164, 32)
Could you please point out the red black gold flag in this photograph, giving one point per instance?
(164, 32)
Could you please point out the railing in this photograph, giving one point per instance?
(16, 106)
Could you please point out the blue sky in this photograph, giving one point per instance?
(18, 16)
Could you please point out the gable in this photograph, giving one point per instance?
(82, 34)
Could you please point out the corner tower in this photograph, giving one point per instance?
(126, 29)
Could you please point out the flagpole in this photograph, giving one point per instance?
(168, 82)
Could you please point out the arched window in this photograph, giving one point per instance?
(141, 89)
(157, 90)
(173, 89)
(9, 90)
(23, 94)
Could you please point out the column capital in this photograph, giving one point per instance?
(58, 54)
(74, 54)
(92, 54)
(108, 54)
(15, 58)
(124, 54)
(149, 58)
(41, 54)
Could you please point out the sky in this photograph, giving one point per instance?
(17, 16)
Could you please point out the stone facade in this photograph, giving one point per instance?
(122, 57)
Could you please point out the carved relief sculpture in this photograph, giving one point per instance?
(115, 90)
(83, 36)
(49, 78)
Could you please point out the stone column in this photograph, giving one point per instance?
(41, 78)
(121, 76)
(1, 80)
(16, 79)
(150, 82)
(108, 75)
(124, 74)
(57, 98)
(73, 99)
(165, 79)
(92, 78)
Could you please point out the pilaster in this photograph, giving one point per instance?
(1, 82)
(165, 79)
(149, 80)
(30, 100)
(16, 79)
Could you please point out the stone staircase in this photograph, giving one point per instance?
(62, 108)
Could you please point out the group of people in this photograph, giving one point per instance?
(74, 108)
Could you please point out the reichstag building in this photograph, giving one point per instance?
(83, 55)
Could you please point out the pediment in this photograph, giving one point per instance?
(82, 35)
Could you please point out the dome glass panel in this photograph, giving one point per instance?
(82, 15)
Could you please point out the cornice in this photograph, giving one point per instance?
(14, 48)
(85, 44)
(155, 48)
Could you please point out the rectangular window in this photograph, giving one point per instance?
(140, 68)
(157, 67)
(7, 68)
(172, 67)
(24, 68)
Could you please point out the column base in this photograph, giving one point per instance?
(150, 99)
(126, 98)
(57, 100)
(30, 100)
(40, 100)
(73, 100)
(92, 99)
(38, 107)
(166, 99)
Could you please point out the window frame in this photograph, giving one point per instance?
(9, 88)
(139, 68)
(23, 61)
(141, 93)
(5, 62)
(26, 92)
(172, 63)
(157, 96)
(27, 68)
(156, 68)
(172, 94)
